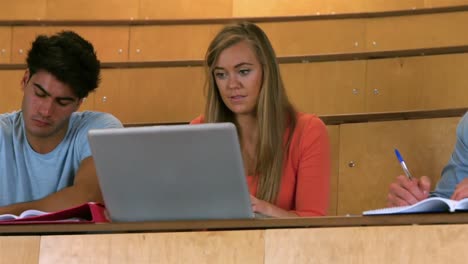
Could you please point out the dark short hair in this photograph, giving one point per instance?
(69, 57)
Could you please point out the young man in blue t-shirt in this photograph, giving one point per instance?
(45, 159)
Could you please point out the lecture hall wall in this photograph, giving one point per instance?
(338, 58)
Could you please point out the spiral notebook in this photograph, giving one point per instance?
(429, 205)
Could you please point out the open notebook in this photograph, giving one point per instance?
(84, 213)
(175, 172)
(429, 205)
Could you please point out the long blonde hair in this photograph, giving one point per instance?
(274, 111)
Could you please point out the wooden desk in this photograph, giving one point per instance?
(431, 238)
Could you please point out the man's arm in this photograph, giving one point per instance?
(84, 189)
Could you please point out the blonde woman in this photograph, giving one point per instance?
(286, 154)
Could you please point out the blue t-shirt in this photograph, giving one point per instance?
(457, 168)
(26, 175)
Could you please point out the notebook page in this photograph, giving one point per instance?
(430, 205)
(389, 210)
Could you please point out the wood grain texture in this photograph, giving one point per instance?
(5, 44)
(334, 135)
(166, 43)
(417, 83)
(19, 249)
(23, 10)
(421, 31)
(316, 37)
(185, 9)
(327, 87)
(182, 247)
(402, 244)
(11, 90)
(92, 10)
(426, 145)
(156, 94)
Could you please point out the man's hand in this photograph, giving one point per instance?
(406, 192)
(461, 191)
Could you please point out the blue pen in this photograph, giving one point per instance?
(403, 164)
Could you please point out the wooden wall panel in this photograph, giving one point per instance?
(159, 95)
(327, 87)
(395, 84)
(413, 32)
(266, 8)
(19, 249)
(107, 97)
(334, 135)
(23, 10)
(417, 244)
(5, 44)
(368, 163)
(443, 3)
(110, 43)
(165, 43)
(11, 90)
(22, 37)
(182, 247)
(417, 83)
(382, 5)
(92, 10)
(445, 83)
(316, 37)
(185, 9)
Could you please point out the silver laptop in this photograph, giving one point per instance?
(175, 172)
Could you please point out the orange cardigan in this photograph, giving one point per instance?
(305, 184)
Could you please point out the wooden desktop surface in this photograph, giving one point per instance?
(422, 238)
(261, 223)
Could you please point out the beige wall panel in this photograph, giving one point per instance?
(185, 9)
(417, 83)
(268, 8)
(107, 97)
(182, 247)
(417, 244)
(445, 81)
(426, 145)
(22, 38)
(19, 249)
(334, 135)
(160, 95)
(164, 43)
(382, 5)
(413, 32)
(316, 37)
(327, 87)
(92, 10)
(5, 44)
(395, 84)
(11, 90)
(23, 10)
(443, 3)
(110, 43)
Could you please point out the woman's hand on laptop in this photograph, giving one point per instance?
(266, 208)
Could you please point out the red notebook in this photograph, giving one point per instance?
(85, 213)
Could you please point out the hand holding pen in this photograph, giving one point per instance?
(403, 165)
(407, 190)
